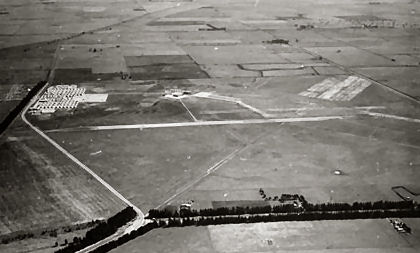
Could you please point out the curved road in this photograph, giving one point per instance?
(140, 220)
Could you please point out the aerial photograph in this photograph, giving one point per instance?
(210, 126)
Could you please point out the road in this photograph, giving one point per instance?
(133, 225)
(390, 116)
(140, 216)
(231, 100)
(75, 160)
(188, 110)
(140, 220)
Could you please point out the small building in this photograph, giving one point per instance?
(185, 206)
(47, 110)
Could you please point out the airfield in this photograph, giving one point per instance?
(210, 101)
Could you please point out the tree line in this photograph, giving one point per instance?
(285, 208)
(15, 112)
(101, 231)
(378, 205)
(52, 232)
(287, 212)
(310, 216)
(127, 237)
(256, 218)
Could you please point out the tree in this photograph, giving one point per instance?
(53, 233)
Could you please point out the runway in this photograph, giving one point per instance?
(198, 123)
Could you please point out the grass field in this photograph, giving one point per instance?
(148, 166)
(6, 107)
(189, 239)
(367, 236)
(300, 158)
(292, 158)
(209, 109)
(42, 244)
(40, 188)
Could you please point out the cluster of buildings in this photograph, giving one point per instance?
(400, 226)
(65, 97)
(177, 93)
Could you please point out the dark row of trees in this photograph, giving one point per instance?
(125, 238)
(283, 198)
(17, 237)
(371, 214)
(155, 213)
(15, 112)
(52, 232)
(378, 205)
(218, 220)
(101, 231)
(285, 208)
(204, 217)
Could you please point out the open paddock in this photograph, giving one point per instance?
(349, 236)
(40, 188)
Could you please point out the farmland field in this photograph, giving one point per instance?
(300, 158)
(41, 244)
(41, 188)
(367, 236)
